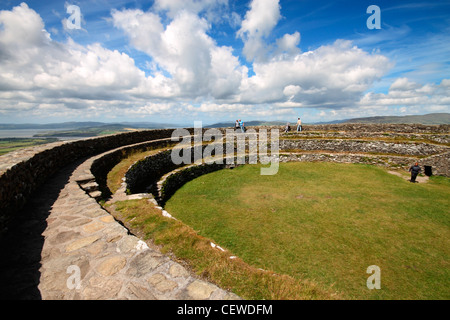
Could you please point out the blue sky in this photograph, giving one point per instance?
(180, 61)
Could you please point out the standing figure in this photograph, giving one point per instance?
(415, 169)
(241, 124)
(299, 125)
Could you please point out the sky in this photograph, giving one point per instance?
(180, 61)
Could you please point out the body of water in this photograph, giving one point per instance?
(28, 133)
(20, 133)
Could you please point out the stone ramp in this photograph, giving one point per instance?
(65, 246)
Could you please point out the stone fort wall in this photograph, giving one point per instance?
(24, 171)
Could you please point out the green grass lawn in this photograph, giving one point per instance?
(327, 223)
(12, 144)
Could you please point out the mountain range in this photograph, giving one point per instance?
(93, 128)
(430, 119)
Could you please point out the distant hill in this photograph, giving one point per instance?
(432, 118)
(89, 129)
(62, 125)
(84, 131)
(89, 124)
(102, 129)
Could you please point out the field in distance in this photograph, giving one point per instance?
(12, 144)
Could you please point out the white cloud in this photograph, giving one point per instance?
(191, 74)
(411, 97)
(41, 79)
(242, 111)
(262, 17)
(197, 65)
(403, 84)
(174, 7)
(259, 22)
(289, 43)
(331, 76)
(45, 71)
(291, 90)
(22, 27)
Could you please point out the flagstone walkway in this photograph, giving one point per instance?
(64, 245)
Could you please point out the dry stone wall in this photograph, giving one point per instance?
(103, 165)
(144, 174)
(382, 127)
(304, 147)
(22, 172)
(339, 145)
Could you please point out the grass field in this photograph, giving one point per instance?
(86, 132)
(327, 223)
(12, 144)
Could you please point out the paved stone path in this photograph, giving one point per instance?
(65, 246)
(403, 175)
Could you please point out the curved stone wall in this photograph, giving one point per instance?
(350, 150)
(382, 127)
(172, 181)
(22, 172)
(361, 146)
(144, 174)
(103, 165)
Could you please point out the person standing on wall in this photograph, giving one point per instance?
(299, 125)
(415, 169)
(241, 124)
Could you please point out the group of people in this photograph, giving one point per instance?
(240, 125)
(299, 126)
(415, 169)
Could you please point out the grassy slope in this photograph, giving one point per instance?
(12, 144)
(249, 282)
(195, 251)
(114, 178)
(328, 223)
(85, 132)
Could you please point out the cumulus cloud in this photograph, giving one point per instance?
(411, 95)
(190, 73)
(289, 43)
(40, 71)
(197, 65)
(403, 97)
(259, 22)
(211, 8)
(335, 75)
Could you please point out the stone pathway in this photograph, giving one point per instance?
(421, 179)
(65, 246)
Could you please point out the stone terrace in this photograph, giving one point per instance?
(63, 227)
(51, 222)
